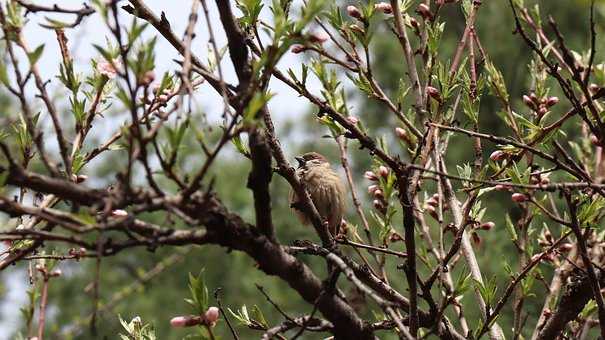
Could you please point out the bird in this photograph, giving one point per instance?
(325, 188)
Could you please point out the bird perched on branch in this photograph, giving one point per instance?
(325, 188)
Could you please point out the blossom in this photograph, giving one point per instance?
(211, 315)
(519, 197)
(353, 120)
(383, 171)
(354, 12)
(318, 37)
(108, 69)
(384, 7)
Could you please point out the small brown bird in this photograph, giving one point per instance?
(325, 188)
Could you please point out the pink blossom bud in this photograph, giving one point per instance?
(432, 211)
(425, 11)
(529, 102)
(319, 37)
(487, 225)
(542, 111)
(384, 7)
(119, 213)
(433, 93)
(354, 12)
(547, 313)
(353, 120)
(593, 88)
(400, 133)
(535, 257)
(378, 204)
(551, 101)
(148, 78)
(178, 321)
(414, 23)
(566, 247)
(533, 98)
(595, 141)
(433, 202)
(162, 98)
(296, 49)
(498, 155)
(372, 188)
(212, 315)
(370, 175)
(108, 69)
(502, 187)
(378, 194)
(519, 197)
(383, 171)
(186, 321)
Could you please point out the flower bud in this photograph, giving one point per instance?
(400, 133)
(593, 88)
(529, 102)
(370, 175)
(542, 111)
(296, 49)
(178, 321)
(211, 315)
(119, 213)
(566, 247)
(414, 23)
(384, 7)
(432, 211)
(433, 202)
(498, 155)
(56, 273)
(433, 93)
(318, 37)
(186, 321)
(535, 257)
(395, 237)
(595, 141)
(547, 313)
(353, 120)
(502, 187)
(551, 101)
(487, 225)
(378, 205)
(519, 197)
(162, 98)
(354, 12)
(383, 171)
(148, 78)
(378, 194)
(372, 188)
(425, 11)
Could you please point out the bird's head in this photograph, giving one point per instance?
(311, 159)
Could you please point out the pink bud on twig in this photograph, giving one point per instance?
(384, 7)
(354, 12)
(370, 175)
(519, 197)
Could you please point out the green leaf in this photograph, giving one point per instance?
(35, 55)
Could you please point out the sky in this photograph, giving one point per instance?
(285, 105)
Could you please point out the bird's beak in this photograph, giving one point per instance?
(300, 160)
